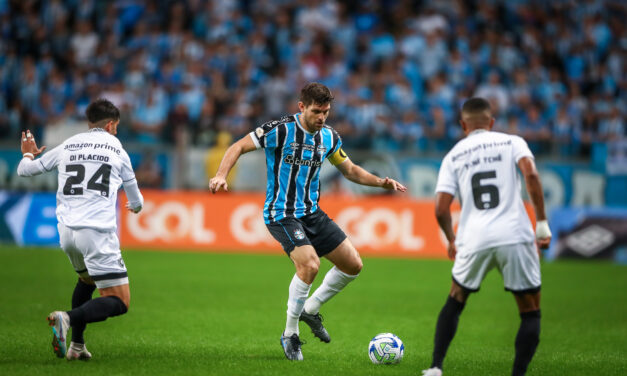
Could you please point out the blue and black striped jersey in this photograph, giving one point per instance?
(293, 160)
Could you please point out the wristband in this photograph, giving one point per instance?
(28, 155)
(542, 229)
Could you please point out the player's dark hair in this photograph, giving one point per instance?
(101, 109)
(475, 105)
(317, 93)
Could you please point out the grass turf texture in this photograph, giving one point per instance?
(219, 314)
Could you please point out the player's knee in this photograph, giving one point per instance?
(356, 266)
(312, 266)
(309, 267)
(127, 303)
(459, 293)
(87, 280)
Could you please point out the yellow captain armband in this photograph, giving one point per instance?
(338, 157)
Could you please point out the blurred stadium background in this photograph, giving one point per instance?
(192, 76)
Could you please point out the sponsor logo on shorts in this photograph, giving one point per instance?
(298, 234)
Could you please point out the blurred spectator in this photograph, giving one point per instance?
(148, 173)
(552, 70)
(149, 119)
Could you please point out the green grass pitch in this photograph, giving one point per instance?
(222, 314)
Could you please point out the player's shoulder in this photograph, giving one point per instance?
(331, 130)
(273, 124)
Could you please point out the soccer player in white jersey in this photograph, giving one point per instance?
(494, 229)
(92, 166)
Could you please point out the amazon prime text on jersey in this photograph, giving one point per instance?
(105, 146)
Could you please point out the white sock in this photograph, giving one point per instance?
(334, 281)
(299, 291)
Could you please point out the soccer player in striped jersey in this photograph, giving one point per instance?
(295, 147)
(494, 228)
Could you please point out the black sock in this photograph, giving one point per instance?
(527, 341)
(445, 330)
(98, 309)
(82, 294)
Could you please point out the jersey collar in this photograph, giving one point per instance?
(300, 125)
(477, 131)
(97, 130)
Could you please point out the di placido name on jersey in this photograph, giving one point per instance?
(105, 146)
(89, 157)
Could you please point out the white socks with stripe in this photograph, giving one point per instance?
(334, 281)
(299, 291)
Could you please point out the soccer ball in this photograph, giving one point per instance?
(386, 348)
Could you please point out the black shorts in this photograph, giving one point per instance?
(315, 229)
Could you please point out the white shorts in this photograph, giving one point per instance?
(94, 254)
(519, 265)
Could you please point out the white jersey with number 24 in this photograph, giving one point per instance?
(92, 166)
(481, 168)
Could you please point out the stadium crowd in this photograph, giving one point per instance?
(399, 69)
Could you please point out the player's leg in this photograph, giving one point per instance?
(468, 273)
(528, 336)
(446, 326)
(104, 264)
(290, 233)
(347, 266)
(520, 266)
(307, 264)
(331, 242)
(83, 292)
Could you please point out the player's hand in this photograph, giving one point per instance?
(452, 250)
(543, 234)
(135, 209)
(29, 145)
(393, 185)
(216, 183)
(544, 242)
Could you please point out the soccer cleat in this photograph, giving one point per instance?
(60, 323)
(315, 323)
(77, 351)
(435, 371)
(291, 347)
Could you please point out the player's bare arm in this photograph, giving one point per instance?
(358, 175)
(443, 215)
(534, 188)
(242, 146)
(29, 146)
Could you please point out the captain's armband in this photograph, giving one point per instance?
(338, 157)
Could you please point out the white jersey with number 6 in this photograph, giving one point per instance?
(92, 167)
(482, 169)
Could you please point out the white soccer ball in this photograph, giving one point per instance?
(386, 348)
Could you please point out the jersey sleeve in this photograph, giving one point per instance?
(520, 149)
(336, 155)
(447, 182)
(126, 172)
(265, 135)
(50, 160)
(47, 162)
